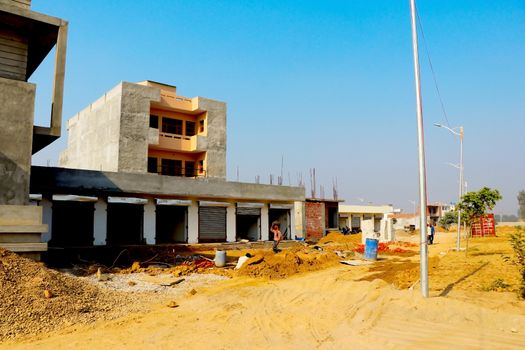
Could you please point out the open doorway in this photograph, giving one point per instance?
(72, 224)
(283, 217)
(248, 224)
(171, 224)
(125, 223)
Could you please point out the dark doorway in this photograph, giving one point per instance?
(332, 213)
(125, 224)
(248, 224)
(72, 224)
(283, 217)
(171, 224)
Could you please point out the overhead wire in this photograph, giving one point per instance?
(427, 51)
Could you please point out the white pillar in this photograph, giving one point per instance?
(100, 222)
(47, 218)
(265, 223)
(299, 219)
(292, 224)
(193, 222)
(149, 222)
(231, 229)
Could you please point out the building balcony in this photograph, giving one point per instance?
(167, 141)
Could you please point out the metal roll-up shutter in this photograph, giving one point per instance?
(212, 224)
(249, 211)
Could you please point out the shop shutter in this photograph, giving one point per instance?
(249, 211)
(212, 224)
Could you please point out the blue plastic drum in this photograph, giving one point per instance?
(371, 249)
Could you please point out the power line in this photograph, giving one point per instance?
(432, 68)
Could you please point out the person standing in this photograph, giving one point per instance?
(277, 235)
(432, 232)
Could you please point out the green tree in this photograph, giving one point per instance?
(448, 219)
(521, 202)
(475, 204)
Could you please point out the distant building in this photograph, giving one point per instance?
(372, 220)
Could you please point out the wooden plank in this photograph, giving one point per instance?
(24, 247)
(12, 41)
(12, 63)
(11, 69)
(21, 57)
(23, 228)
(14, 76)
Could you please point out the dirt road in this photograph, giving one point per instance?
(325, 310)
(328, 309)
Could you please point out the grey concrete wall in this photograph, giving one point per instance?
(93, 135)
(17, 100)
(134, 126)
(48, 180)
(215, 142)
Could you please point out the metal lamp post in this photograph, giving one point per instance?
(460, 134)
(423, 250)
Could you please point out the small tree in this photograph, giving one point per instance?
(448, 219)
(475, 204)
(517, 241)
(521, 202)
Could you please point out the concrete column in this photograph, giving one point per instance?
(265, 223)
(100, 222)
(149, 222)
(299, 219)
(231, 229)
(292, 224)
(47, 218)
(193, 222)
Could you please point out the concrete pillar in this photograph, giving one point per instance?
(231, 229)
(149, 222)
(193, 222)
(100, 222)
(292, 224)
(47, 218)
(265, 223)
(299, 219)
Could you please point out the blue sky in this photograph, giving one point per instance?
(324, 84)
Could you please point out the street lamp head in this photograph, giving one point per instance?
(438, 125)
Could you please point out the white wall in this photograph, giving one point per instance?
(100, 222)
(149, 222)
(231, 223)
(193, 222)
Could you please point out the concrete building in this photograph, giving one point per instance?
(144, 165)
(26, 38)
(147, 127)
(372, 220)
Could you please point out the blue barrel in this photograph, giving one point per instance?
(371, 249)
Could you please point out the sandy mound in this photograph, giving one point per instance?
(35, 299)
(336, 237)
(287, 263)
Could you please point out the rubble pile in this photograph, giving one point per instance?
(35, 299)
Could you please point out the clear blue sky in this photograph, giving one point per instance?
(326, 84)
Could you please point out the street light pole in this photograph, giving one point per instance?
(460, 134)
(423, 250)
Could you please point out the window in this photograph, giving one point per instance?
(190, 128)
(190, 169)
(201, 166)
(201, 125)
(172, 126)
(171, 167)
(152, 165)
(154, 121)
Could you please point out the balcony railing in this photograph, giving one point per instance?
(182, 172)
(177, 142)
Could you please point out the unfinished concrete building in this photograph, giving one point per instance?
(148, 128)
(26, 38)
(144, 165)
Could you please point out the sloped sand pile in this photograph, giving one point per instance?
(35, 299)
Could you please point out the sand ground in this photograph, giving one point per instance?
(341, 307)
